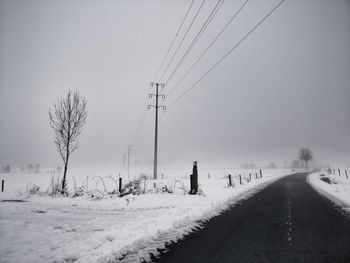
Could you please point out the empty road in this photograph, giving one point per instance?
(287, 221)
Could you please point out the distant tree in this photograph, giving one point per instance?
(37, 168)
(305, 155)
(30, 168)
(67, 120)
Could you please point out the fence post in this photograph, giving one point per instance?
(256, 175)
(120, 184)
(229, 180)
(339, 171)
(2, 185)
(333, 171)
(346, 174)
(240, 179)
(194, 179)
(250, 177)
(260, 173)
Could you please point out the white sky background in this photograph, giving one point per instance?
(286, 87)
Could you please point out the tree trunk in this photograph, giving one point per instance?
(306, 165)
(64, 176)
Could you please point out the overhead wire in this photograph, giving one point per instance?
(196, 38)
(182, 40)
(226, 54)
(173, 41)
(209, 46)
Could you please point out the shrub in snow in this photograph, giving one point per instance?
(133, 187)
(33, 190)
(55, 186)
(78, 191)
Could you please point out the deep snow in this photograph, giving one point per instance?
(45, 229)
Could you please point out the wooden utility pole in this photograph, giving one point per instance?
(156, 107)
(129, 150)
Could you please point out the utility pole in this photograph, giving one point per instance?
(129, 161)
(156, 107)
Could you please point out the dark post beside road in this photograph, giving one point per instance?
(260, 173)
(120, 184)
(194, 179)
(229, 180)
(2, 185)
(240, 179)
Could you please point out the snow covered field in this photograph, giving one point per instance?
(334, 187)
(112, 229)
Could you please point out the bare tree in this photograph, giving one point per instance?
(67, 120)
(306, 155)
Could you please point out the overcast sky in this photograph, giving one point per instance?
(286, 86)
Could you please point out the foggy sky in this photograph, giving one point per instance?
(286, 86)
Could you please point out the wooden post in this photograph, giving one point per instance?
(2, 185)
(346, 174)
(120, 184)
(240, 179)
(260, 173)
(250, 177)
(333, 171)
(256, 175)
(229, 180)
(194, 179)
(339, 171)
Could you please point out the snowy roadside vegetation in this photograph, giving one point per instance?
(96, 223)
(334, 186)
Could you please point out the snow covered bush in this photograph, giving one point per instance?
(55, 186)
(33, 190)
(133, 187)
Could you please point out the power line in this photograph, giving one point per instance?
(209, 46)
(197, 37)
(223, 57)
(183, 38)
(148, 135)
(173, 41)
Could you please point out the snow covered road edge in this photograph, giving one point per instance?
(340, 195)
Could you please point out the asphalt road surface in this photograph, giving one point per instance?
(287, 221)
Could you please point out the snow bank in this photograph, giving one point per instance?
(334, 187)
(45, 229)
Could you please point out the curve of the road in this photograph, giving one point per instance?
(287, 221)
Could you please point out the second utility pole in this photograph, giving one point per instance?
(156, 107)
